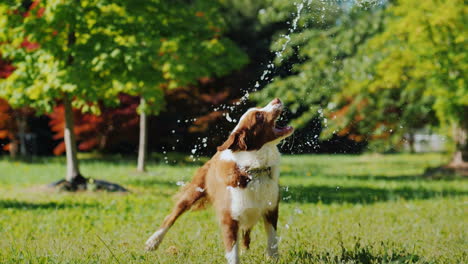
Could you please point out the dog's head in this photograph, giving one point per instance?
(258, 127)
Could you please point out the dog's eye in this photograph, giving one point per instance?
(259, 116)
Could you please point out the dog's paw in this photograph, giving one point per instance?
(153, 242)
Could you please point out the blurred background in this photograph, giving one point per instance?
(356, 76)
(141, 92)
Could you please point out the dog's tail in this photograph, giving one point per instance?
(195, 191)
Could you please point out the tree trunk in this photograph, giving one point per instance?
(411, 141)
(73, 172)
(460, 157)
(141, 167)
(458, 166)
(74, 180)
(14, 145)
(22, 123)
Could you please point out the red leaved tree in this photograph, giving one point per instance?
(107, 132)
(13, 122)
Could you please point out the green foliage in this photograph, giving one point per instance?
(375, 71)
(335, 209)
(423, 46)
(410, 72)
(94, 49)
(325, 39)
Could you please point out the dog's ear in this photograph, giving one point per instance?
(236, 141)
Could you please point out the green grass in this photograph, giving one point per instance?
(335, 209)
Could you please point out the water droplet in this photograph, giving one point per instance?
(298, 211)
(180, 183)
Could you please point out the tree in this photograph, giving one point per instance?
(7, 127)
(330, 58)
(13, 122)
(61, 69)
(385, 119)
(308, 54)
(327, 34)
(92, 50)
(182, 44)
(422, 51)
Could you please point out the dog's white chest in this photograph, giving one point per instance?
(249, 204)
(261, 194)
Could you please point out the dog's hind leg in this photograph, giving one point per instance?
(246, 238)
(189, 196)
(271, 221)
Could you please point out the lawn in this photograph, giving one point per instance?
(334, 209)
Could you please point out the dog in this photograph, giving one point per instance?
(240, 181)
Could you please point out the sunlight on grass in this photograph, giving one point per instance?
(335, 209)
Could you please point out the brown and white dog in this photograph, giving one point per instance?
(240, 180)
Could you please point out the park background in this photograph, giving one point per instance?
(140, 93)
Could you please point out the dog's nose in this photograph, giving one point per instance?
(276, 101)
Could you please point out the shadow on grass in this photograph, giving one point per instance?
(115, 160)
(176, 159)
(152, 182)
(329, 194)
(400, 178)
(23, 205)
(366, 195)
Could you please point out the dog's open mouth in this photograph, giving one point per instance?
(281, 131)
(281, 127)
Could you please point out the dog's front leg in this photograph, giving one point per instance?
(189, 196)
(271, 221)
(153, 242)
(230, 228)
